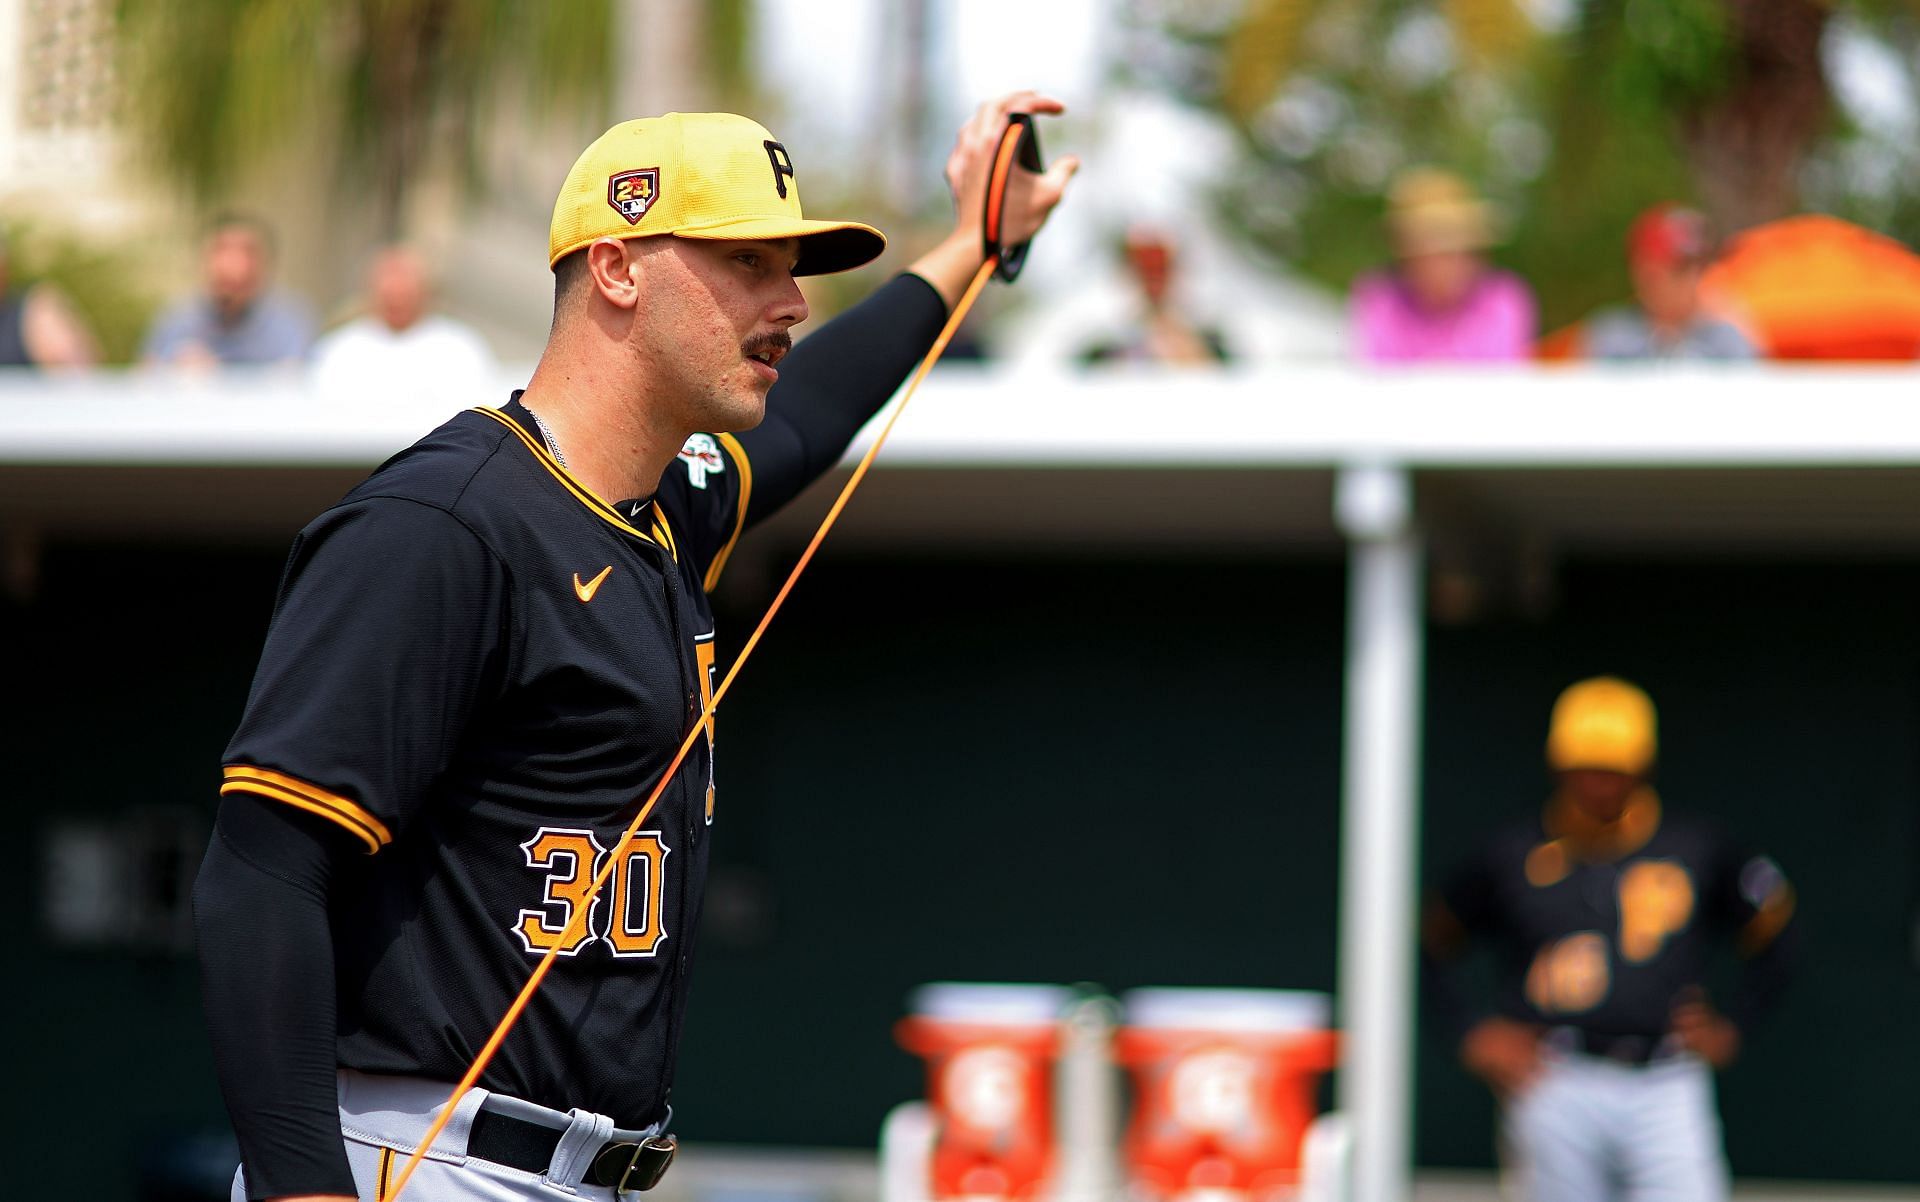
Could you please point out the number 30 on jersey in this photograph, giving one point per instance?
(626, 915)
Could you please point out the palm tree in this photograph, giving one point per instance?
(215, 87)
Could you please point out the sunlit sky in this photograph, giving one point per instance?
(827, 55)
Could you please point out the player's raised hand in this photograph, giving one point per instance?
(1030, 196)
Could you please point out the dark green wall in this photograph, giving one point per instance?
(1012, 771)
(1027, 769)
(126, 673)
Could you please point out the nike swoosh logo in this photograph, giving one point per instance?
(586, 591)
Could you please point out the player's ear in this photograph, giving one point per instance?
(614, 271)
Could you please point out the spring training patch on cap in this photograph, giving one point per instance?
(632, 193)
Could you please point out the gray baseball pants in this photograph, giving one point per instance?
(385, 1118)
(1593, 1130)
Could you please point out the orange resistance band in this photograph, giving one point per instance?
(997, 184)
(574, 928)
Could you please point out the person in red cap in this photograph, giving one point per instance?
(1161, 332)
(1668, 249)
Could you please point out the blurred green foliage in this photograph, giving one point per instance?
(93, 278)
(216, 87)
(729, 51)
(1570, 116)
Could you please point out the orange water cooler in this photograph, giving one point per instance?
(1224, 1089)
(989, 1051)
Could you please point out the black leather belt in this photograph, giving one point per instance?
(1622, 1049)
(528, 1146)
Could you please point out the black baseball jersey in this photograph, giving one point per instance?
(480, 670)
(475, 673)
(1607, 939)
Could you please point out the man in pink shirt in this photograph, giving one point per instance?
(1440, 301)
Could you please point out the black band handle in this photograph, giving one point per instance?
(1026, 154)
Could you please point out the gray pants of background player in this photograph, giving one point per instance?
(1592, 1130)
(385, 1118)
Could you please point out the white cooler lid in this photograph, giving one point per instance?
(991, 1004)
(1249, 1011)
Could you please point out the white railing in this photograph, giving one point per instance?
(1278, 417)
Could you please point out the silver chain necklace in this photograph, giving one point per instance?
(546, 435)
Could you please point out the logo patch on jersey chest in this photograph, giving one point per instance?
(702, 456)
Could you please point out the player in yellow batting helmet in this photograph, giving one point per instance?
(1606, 914)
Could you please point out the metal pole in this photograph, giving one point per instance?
(1087, 1104)
(1380, 828)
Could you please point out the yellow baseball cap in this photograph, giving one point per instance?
(698, 175)
(1602, 723)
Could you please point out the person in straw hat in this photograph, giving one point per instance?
(1440, 301)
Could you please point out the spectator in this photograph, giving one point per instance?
(1668, 249)
(38, 328)
(238, 320)
(1162, 334)
(399, 348)
(1441, 301)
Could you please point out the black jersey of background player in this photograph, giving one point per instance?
(1608, 940)
(551, 653)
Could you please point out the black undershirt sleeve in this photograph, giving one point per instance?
(833, 382)
(1764, 979)
(266, 973)
(1454, 916)
(1752, 901)
(1444, 986)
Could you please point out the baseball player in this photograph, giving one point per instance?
(482, 659)
(1603, 914)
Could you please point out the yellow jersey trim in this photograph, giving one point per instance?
(245, 778)
(581, 492)
(745, 468)
(663, 532)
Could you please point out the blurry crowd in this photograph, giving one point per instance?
(1438, 299)
(236, 316)
(1441, 301)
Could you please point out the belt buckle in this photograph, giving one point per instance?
(634, 1166)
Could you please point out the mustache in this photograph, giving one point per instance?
(776, 343)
